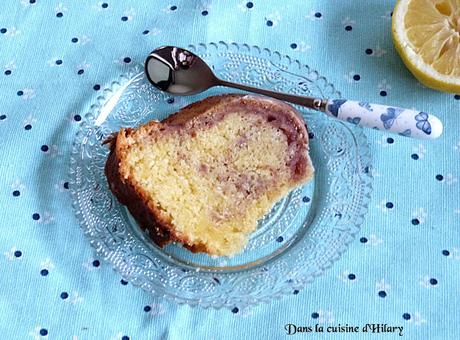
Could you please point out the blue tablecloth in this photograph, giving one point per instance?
(56, 57)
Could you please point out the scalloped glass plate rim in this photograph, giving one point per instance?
(263, 53)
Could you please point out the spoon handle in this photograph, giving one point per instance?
(405, 122)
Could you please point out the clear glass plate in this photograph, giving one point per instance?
(303, 234)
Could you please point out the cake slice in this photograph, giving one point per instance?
(204, 176)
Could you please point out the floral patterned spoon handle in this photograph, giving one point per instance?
(180, 72)
(406, 122)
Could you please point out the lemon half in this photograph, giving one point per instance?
(426, 34)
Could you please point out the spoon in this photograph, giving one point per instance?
(180, 72)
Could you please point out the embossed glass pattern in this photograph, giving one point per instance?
(303, 234)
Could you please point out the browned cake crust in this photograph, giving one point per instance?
(161, 230)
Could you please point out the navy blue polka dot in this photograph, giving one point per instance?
(318, 15)
(80, 71)
(369, 51)
(74, 40)
(439, 177)
(7, 72)
(127, 60)
(235, 310)
(44, 272)
(96, 263)
(20, 93)
(147, 309)
(406, 316)
(170, 100)
(17, 253)
(382, 294)
(173, 8)
(457, 96)
(146, 32)
(249, 4)
(36, 216)
(351, 276)
(295, 292)
(77, 118)
(269, 23)
(125, 337)
(28, 127)
(311, 135)
(356, 77)
(2, 117)
(348, 28)
(306, 199)
(433, 282)
(204, 13)
(280, 239)
(445, 253)
(66, 185)
(32, 1)
(383, 93)
(16, 193)
(363, 240)
(96, 87)
(3, 30)
(59, 14)
(44, 148)
(314, 315)
(59, 62)
(389, 205)
(123, 282)
(124, 18)
(414, 156)
(43, 331)
(415, 221)
(390, 140)
(64, 295)
(293, 46)
(104, 5)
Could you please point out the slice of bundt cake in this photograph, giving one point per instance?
(205, 175)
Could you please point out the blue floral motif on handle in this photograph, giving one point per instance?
(335, 106)
(388, 118)
(406, 133)
(354, 120)
(423, 123)
(366, 105)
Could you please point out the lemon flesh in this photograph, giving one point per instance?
(427, 37)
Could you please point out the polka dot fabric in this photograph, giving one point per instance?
(403, 268)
